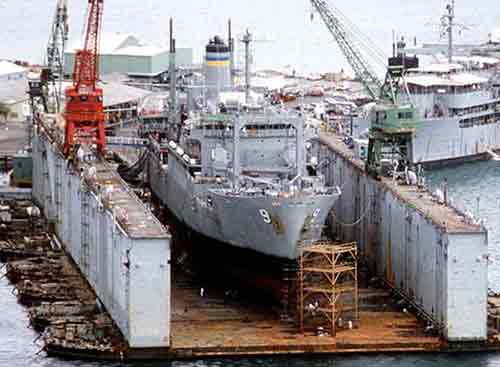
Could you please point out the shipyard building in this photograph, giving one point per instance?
(13, 86)
(126, 54)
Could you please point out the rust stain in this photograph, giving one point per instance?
(278, 225)
(389, 274)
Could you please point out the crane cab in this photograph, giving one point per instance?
(84, 118)
(391, 135)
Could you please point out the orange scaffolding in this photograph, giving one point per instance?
(328, 286)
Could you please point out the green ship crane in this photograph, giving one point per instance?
(392, 125)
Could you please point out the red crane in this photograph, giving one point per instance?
(84, 101)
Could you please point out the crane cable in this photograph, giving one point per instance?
(355, 223)
(366, 211)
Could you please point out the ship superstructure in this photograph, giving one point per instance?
(456, 110)
(457, 105)
(458, 113)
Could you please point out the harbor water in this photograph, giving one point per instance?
(286, 33)
(288, 37)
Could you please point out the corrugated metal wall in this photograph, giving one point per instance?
(131, 276)
(431, 267)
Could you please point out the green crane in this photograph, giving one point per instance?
(392, 125)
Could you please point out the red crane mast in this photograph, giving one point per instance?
(84, 101)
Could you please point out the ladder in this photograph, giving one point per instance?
(85, 230)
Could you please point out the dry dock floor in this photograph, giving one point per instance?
(212, 325)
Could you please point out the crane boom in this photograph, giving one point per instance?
(347, 44)
(86, 60)
(392, 125)
(84, 101)
(58, 38)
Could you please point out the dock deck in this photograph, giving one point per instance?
(213, 325)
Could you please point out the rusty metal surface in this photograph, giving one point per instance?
(135, 219)
(213, 325)
(104, 181)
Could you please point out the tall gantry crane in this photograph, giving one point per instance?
(392, 125)
(58, 38)
(84, 100)
(55, 49)
(53, 70)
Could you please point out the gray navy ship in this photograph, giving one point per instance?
(241, 171)
(457, 104)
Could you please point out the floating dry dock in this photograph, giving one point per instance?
(433, 257)
(118, 245)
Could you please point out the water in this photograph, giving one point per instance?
(292, 39)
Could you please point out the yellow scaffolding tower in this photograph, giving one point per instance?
(328, 285)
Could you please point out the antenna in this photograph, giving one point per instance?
(230, 41)
(447, 21)
(448, 26)
(247, 39)
(173, 76)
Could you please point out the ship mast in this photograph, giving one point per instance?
(247, 39)
(448, 22)
(172, 73)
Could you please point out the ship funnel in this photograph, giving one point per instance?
(218, 68)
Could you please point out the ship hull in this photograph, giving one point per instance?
(442, 142)
(268, 225)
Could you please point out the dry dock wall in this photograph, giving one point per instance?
(130, 274)
(434, 260)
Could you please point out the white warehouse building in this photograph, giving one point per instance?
(126, 54)
(11, 71)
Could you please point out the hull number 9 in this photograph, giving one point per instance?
(265, 216)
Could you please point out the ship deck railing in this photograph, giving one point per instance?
(268, 193)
